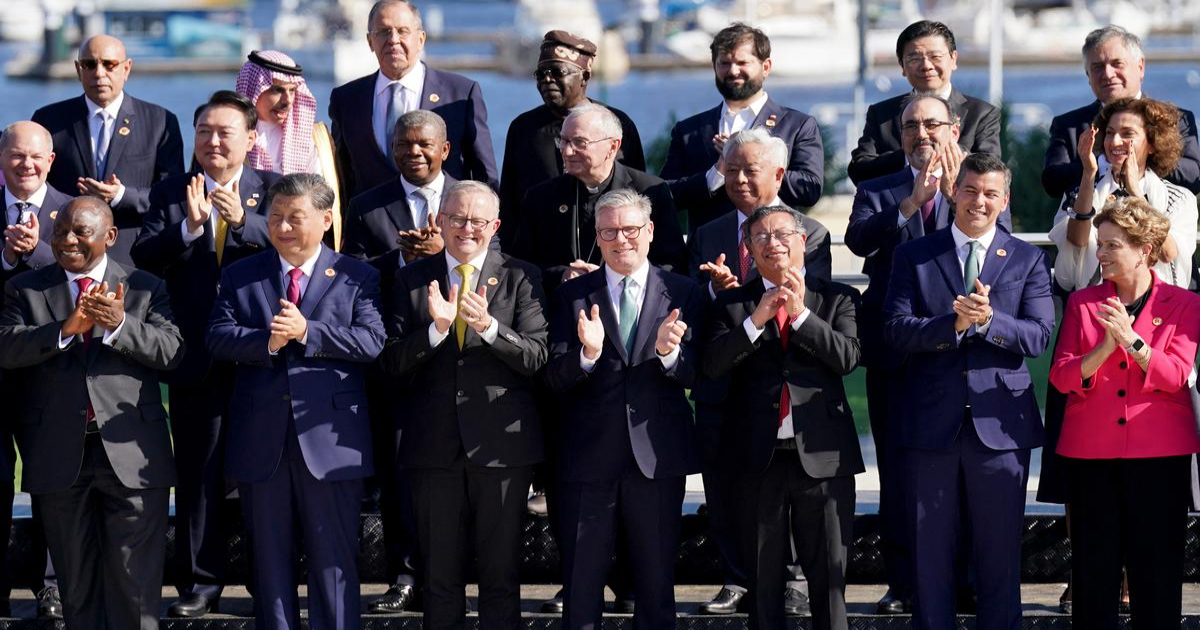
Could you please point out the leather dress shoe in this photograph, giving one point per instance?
(397, 599)
(49, 604)
(554, 605)
(725, 602)
(889, 604)
(623, 606)
(193, 605)
(795, 603)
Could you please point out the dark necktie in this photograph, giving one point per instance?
(84, 284)
(785, 330)
(20, 206)
(743, 261)
(293, 290)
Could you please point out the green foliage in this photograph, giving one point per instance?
(835, 171)
(656, 150)
(1025, 153)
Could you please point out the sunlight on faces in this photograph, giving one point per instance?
(1113, 72)
(110, 69)
(920, 144)
(561, 84)
(396, 38)
(739, 73)
(222, 140)
(468, 221)
(594, 162)
(751, 180)
(419, 153)
(777, 245)
(1118, 257)
(1126, 134)
(928, 64)
(274, 105)
(26, 153)
(624, 255)
(295, 227)
(83, 232)
(979, 199)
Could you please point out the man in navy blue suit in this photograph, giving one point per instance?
(888, 211)
(364, 111)
(198, 224)
(622, 354)
(965, 307)
(109, 144)
(302, 323)
(741, 57)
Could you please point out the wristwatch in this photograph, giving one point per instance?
(1069, 206)
(1136, 346)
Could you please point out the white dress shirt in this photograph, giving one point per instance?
(786, 428)
(412, 85)
(210, 185)
(95, 128)
(13, 216)
(306, 271)
(489, 334)
(961, 249)
(97, 276)
(730, 123)
(416, 203)
(638, 279)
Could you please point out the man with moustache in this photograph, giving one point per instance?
(109, 144)
(200, 223)
(531, 153)
(300, 324)
(622, 353)
(785, 341)
(1115, 66)
(83, 341)
(965, 307)
(467, 338)
(741, 57)
(887, 212)
(286, 108)
(404, 83)
(928, 57)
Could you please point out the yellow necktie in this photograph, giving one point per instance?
(460, 325)
(222, 231)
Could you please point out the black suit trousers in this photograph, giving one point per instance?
(108, 543)
(458, 506)
(897, 558)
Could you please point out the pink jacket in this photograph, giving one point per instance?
(1126, 412)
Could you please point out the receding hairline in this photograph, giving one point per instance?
(23, 127)
(87, 203)
(101, 40)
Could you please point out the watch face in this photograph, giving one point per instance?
(1138, 345)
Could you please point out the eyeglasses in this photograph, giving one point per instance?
(459, 222)
(930, 125)
(783, 236)
(629, 231)
(385, 34)
(555, 72)
(578, 143)
(91, 64)
(916, 58)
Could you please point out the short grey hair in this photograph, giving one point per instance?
(383, 4)
(759, 214)
(774, 149)
(1098, 37)
(624, 198)
(606, 121)
(471, 187)
(418, 118)
(309, 185)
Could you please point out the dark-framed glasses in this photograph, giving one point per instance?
(554, 72)
(783, 236)
(930, 125)
(628, 231)
(91, 64)
(459, 222)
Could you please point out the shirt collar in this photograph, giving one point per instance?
(943, 93)
(414, 80)
(210, 184)
(113, 108)
(96, 274)
(306, 267)
(961, 239)
(916, 172)
(755, 106)
(36, 199)
(476, 262)
(436, 185)
(639, 275)
(771, 285)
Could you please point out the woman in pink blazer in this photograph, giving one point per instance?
(1124, 356)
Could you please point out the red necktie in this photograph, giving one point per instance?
(927, 209)
(743, 260)
(85, 283)
(293, 290)
(785, 329)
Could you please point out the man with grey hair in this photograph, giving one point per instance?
(622, 347)
(558, 217)
(782, 344)
(463, 326)
(1115, 65)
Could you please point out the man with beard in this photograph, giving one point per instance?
(741, 57)
(531, 154)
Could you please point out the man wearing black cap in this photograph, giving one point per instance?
(531, 154)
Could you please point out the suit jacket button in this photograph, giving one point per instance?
(1121, 420)
(287, 397)
(460, 393)
(774, 405)
(460, 362)
(1120, 393)
(964, 373)
(420, 355)
(786, 373)
(83, 412)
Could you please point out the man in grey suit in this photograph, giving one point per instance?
(85, 338)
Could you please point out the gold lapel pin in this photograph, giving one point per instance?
(53, 215)
(1001, 253)
(329, 273)
(563, 208)
(124, 131)
(493, 281)
(770, 120)
(433, 98)
(252, 202)
(1157, 321)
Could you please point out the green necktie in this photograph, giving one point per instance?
(971, 268)
(628, 316)
(460, 325)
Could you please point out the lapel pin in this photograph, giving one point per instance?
(1157, 321)
(53, 215)
(493, 281)
(563, 209)
(252, 201)
(329, 273)
(124, 131)
(1001, 253)
(771, 120)
(433, 98)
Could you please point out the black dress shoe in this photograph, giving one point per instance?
(889, 604)
(795, 603)
(725, 603)
(554, 605)
(49, 604)
(192, 605)
(397, 599)
(623, 606)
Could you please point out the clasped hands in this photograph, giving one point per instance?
(287, 325)
(421, 242)
(591, 333)
(1117, 323)
(96, 307)
(974, 309)
(200, 205)
(790, 295)
(20, 239)
(473, 308)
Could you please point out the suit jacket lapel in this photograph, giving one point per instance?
(599, 296)
(654, 302)
(366, 114)
(83, 139)
(399, 210)
(712, 122)
(947, 261)
(1157, 306)
(994, 262)
(58, 298)
(271, 274)
(770, 111)
(319, 283)
(126, 119)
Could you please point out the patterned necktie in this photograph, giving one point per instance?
(785, 330)
(395, 110)
(102, 141)
(84, 284)
(629, 316)
(293, 290)
(460, 324)
(927, 210)
(743, 261)
(20, 207)
(971, 267)
(220, 233)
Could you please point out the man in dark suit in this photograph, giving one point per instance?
(928, 57)
(301, 323)
(965, 307)
(888, 211)
(741, 57)
(467, 336)
(402, 84)
(83, 339)
(622, 349)
(200, 223)
(109, 144)
(558, 217)
(1115, 66)
(531, 153)
(785, 341)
